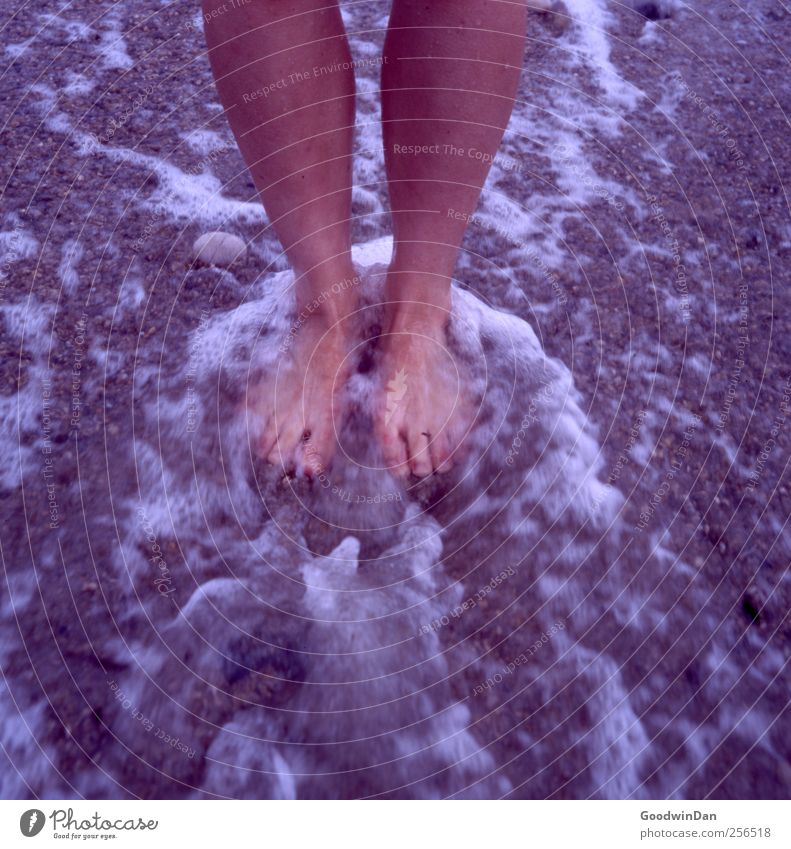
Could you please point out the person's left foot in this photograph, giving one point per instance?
(423, 406)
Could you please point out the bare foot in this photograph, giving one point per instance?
(423, 407)
(300, 401)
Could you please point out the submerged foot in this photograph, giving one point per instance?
(423, 408)
(302, 401)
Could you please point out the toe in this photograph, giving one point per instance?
(395, 451)
(289, 436)
(419, 454)
(278, 457)
(268, 438)
(440, 453)
(312, 459)
(315, 453)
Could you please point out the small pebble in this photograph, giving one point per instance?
(219, 248)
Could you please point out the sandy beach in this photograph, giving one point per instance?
(595, 604)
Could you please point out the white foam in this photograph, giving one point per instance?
(112, 47)
(71, 254)
(30, 322)
(618, 736)
(29, 764)
(592, 50)
(17, 243)
(78, 84)
(651, 35)
(19, 48)
(202, 140)
(74, 30)
(132, 293)
(180, 196)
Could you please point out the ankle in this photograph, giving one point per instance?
(424, 319)
(417, 301)
(330, 294)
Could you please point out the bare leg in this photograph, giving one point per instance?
(294, 128)
(449, 78)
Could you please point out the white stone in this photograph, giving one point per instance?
(218, 248)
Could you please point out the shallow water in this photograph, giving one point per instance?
(337, 668)
(178, 620)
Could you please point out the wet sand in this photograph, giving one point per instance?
(178, 622)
